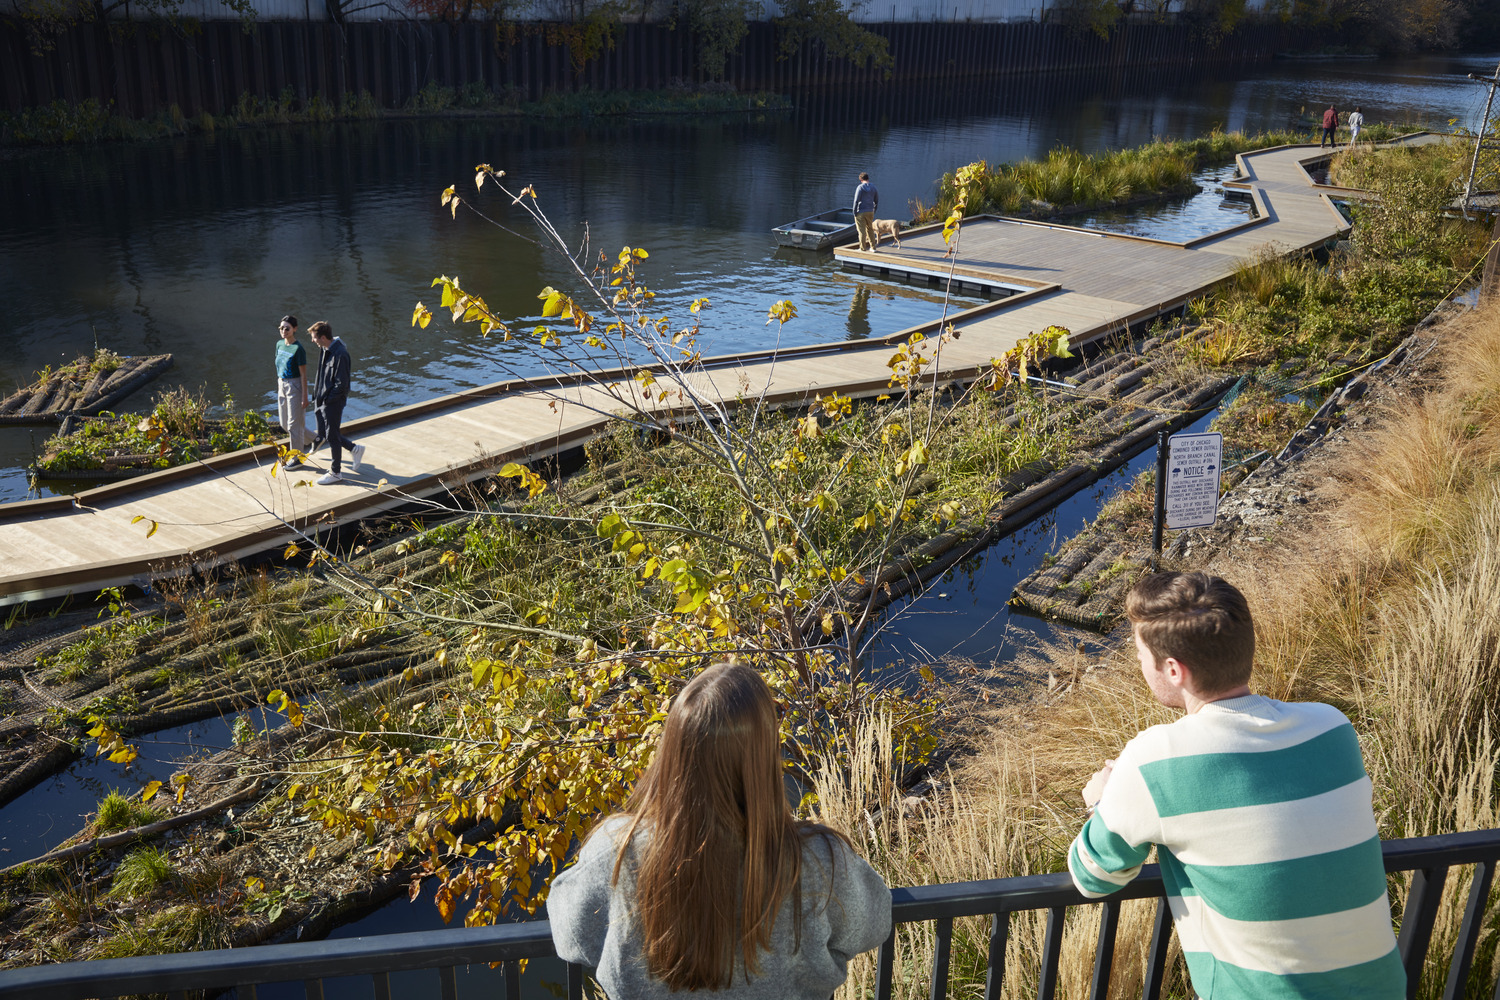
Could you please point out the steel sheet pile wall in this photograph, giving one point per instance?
(147, 67)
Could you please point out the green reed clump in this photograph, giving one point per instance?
(123, 812)
(141, 872)
(1067, 179)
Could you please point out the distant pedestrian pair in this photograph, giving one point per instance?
(330, 394)
(1331, 126)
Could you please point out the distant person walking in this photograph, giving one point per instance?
(329, 396)
(1356, 122)
(866, 201)
(291, 388)
(1330, 127)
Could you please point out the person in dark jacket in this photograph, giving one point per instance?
(330, 393)
(866, 201)
(1330, 127)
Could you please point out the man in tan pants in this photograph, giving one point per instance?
(866, 201)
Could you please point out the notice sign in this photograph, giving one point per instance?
(1193, 462)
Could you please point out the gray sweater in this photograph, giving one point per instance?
(846, 909)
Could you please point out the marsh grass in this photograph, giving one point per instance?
(1067, 179)
(1393, 617)
(123, 812)
(187, 927)
(141, 873)
(557, 572)
(1260, 420)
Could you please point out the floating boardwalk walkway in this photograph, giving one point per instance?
(1093, 283)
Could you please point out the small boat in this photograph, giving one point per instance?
(817, 232)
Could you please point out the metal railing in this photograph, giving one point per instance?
(1430, 858)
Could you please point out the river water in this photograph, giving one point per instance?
(198, 245)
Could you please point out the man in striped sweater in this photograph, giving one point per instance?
(1259, 810)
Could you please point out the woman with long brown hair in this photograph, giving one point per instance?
(707, 881)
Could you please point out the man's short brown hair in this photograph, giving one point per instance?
(322, 328)
(1199, 620)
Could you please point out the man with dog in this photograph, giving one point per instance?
(1260, 812)
(866, 201)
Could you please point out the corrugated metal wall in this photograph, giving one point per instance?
(872, 12)
(149, 67)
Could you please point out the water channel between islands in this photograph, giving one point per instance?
(965, 610)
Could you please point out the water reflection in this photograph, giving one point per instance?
(56, 808)
(859, 313)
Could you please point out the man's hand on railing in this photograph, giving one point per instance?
(1094, 790)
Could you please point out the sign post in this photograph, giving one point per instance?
(1187, 484)
(1161, 499)
(1193, 479)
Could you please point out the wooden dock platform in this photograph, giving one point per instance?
(231, 506)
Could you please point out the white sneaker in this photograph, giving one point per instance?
(329, 478)
(356, 456)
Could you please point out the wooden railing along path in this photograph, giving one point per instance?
(230, 507)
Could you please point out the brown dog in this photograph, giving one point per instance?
(887, 227)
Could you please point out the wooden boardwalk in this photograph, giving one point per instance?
(1092, 283)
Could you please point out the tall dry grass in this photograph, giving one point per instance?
(1390, 610)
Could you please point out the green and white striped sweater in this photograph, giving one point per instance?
(1260, 811)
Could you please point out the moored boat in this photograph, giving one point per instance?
(817, 232)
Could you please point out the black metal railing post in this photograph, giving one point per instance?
(1422, 901)
(1104, 949)
(994, 976)
(1046, 987)
(1156, 960)
(1468, 931)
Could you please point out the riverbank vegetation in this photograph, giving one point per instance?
(177, 429)
(1068, 181)
(86, 122)
(1296, 328)
(1323, 27)
(1387, 612)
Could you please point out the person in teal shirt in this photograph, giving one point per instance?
(291, 388)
